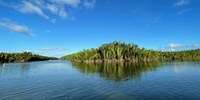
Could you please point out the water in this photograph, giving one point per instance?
(63, 80)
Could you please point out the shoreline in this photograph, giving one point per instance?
(134, 61)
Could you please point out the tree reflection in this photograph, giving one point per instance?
(116, 71)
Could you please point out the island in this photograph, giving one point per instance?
(129, 52)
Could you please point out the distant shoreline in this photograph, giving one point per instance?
(122, 52)
(23, 57)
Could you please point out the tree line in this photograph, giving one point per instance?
(120, 52)
(22, 57)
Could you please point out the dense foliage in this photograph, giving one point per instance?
(120, 51)
(22, 57)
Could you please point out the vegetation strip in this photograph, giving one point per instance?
(121, 52)
(23, 57)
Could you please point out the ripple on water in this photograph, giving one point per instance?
(61, 80)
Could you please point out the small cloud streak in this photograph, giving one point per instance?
(181, 3)
(153, 20)
(48, 31)
(60, 8)
(73, 3)
(172, 45)
(28, 7)
(53, 49)
(183, 11)
(89, 4)
(175, 47)
(14, 27)
(195, 45)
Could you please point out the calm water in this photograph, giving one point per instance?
(54, 80)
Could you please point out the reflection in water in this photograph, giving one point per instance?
(116, 71)
(30, 69)
(2, 68)
(14, 69)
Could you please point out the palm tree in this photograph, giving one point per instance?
(120, 51)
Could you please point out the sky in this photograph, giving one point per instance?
(61, 27)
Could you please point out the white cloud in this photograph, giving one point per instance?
(53, 8)
(57, 9)
(12, 26)
(195, 45)
(89, 4)
(61, 49)
(46, 8)
(73, 3)
(41, 7)
(172, 45)
(39, 3)
(51, 49)
(29, 7)
(182, 3)
(172, 49)
(62, 13)
(175, 47)
(44, 49)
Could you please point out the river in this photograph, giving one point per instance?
(64, 80)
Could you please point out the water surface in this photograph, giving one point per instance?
(61, 80)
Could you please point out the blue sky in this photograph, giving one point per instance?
(60, 27)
